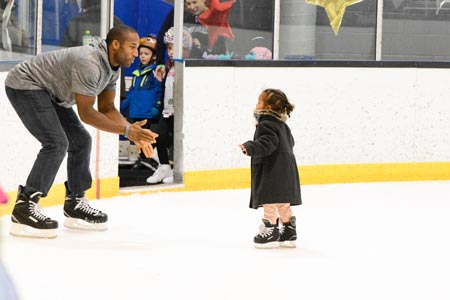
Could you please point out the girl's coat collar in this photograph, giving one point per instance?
(267, 112)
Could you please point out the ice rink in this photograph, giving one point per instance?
(356, 241)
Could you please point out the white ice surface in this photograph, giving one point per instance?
(356, 241)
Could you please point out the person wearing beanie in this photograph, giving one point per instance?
(164, 173)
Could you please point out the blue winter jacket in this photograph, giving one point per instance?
(145, 96)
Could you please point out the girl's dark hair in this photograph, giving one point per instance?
(119, 33)
(278, 101)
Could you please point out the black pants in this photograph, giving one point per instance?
(165, 139)
(60, 132)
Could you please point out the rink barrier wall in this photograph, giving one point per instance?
(391, 113)
(240, 179)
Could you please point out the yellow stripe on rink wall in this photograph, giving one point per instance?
(240, 178)
(351, 173)
(325, 174)
(217, 179)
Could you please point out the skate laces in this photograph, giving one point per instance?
(284, 227)
(265, 231)
(84, 206)
(37, 212)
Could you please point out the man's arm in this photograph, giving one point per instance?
(105, 118)
(108, 118)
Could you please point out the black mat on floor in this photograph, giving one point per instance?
(130, 176)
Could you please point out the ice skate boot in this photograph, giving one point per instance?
(28, 219)
(268, 236)
(288, 234)
(80, 215)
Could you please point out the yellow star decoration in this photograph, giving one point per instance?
(335, 10)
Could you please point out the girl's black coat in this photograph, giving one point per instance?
(274, 170)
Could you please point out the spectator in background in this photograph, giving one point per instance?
(145, 96)
(259, 53)
(160, 45)
(207, 22)
(258, 50)
(164, 172)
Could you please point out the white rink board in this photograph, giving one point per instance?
(342, 115)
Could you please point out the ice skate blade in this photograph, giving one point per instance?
(288, 244)
(270, 245)
(73, 223)
(21, 230)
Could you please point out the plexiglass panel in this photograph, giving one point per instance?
(416, 30)
(65, 22)
(306, 32)
(228, 29)
(18, 19)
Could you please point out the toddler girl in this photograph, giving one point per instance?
(275, 182)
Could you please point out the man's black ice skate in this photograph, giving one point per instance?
(28, 219)
(288, 234)
(268, 235)
(80, 215)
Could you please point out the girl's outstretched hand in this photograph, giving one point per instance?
(243, 149)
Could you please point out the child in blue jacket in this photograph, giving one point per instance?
(145, 96)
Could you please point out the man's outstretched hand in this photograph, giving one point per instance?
(145, 148)
(143, 138)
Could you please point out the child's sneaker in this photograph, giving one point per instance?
(168, 179)
(163, 172)
(80, 215)
(28, 219)
(288, 234)
(149, 163)
(268, 235)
